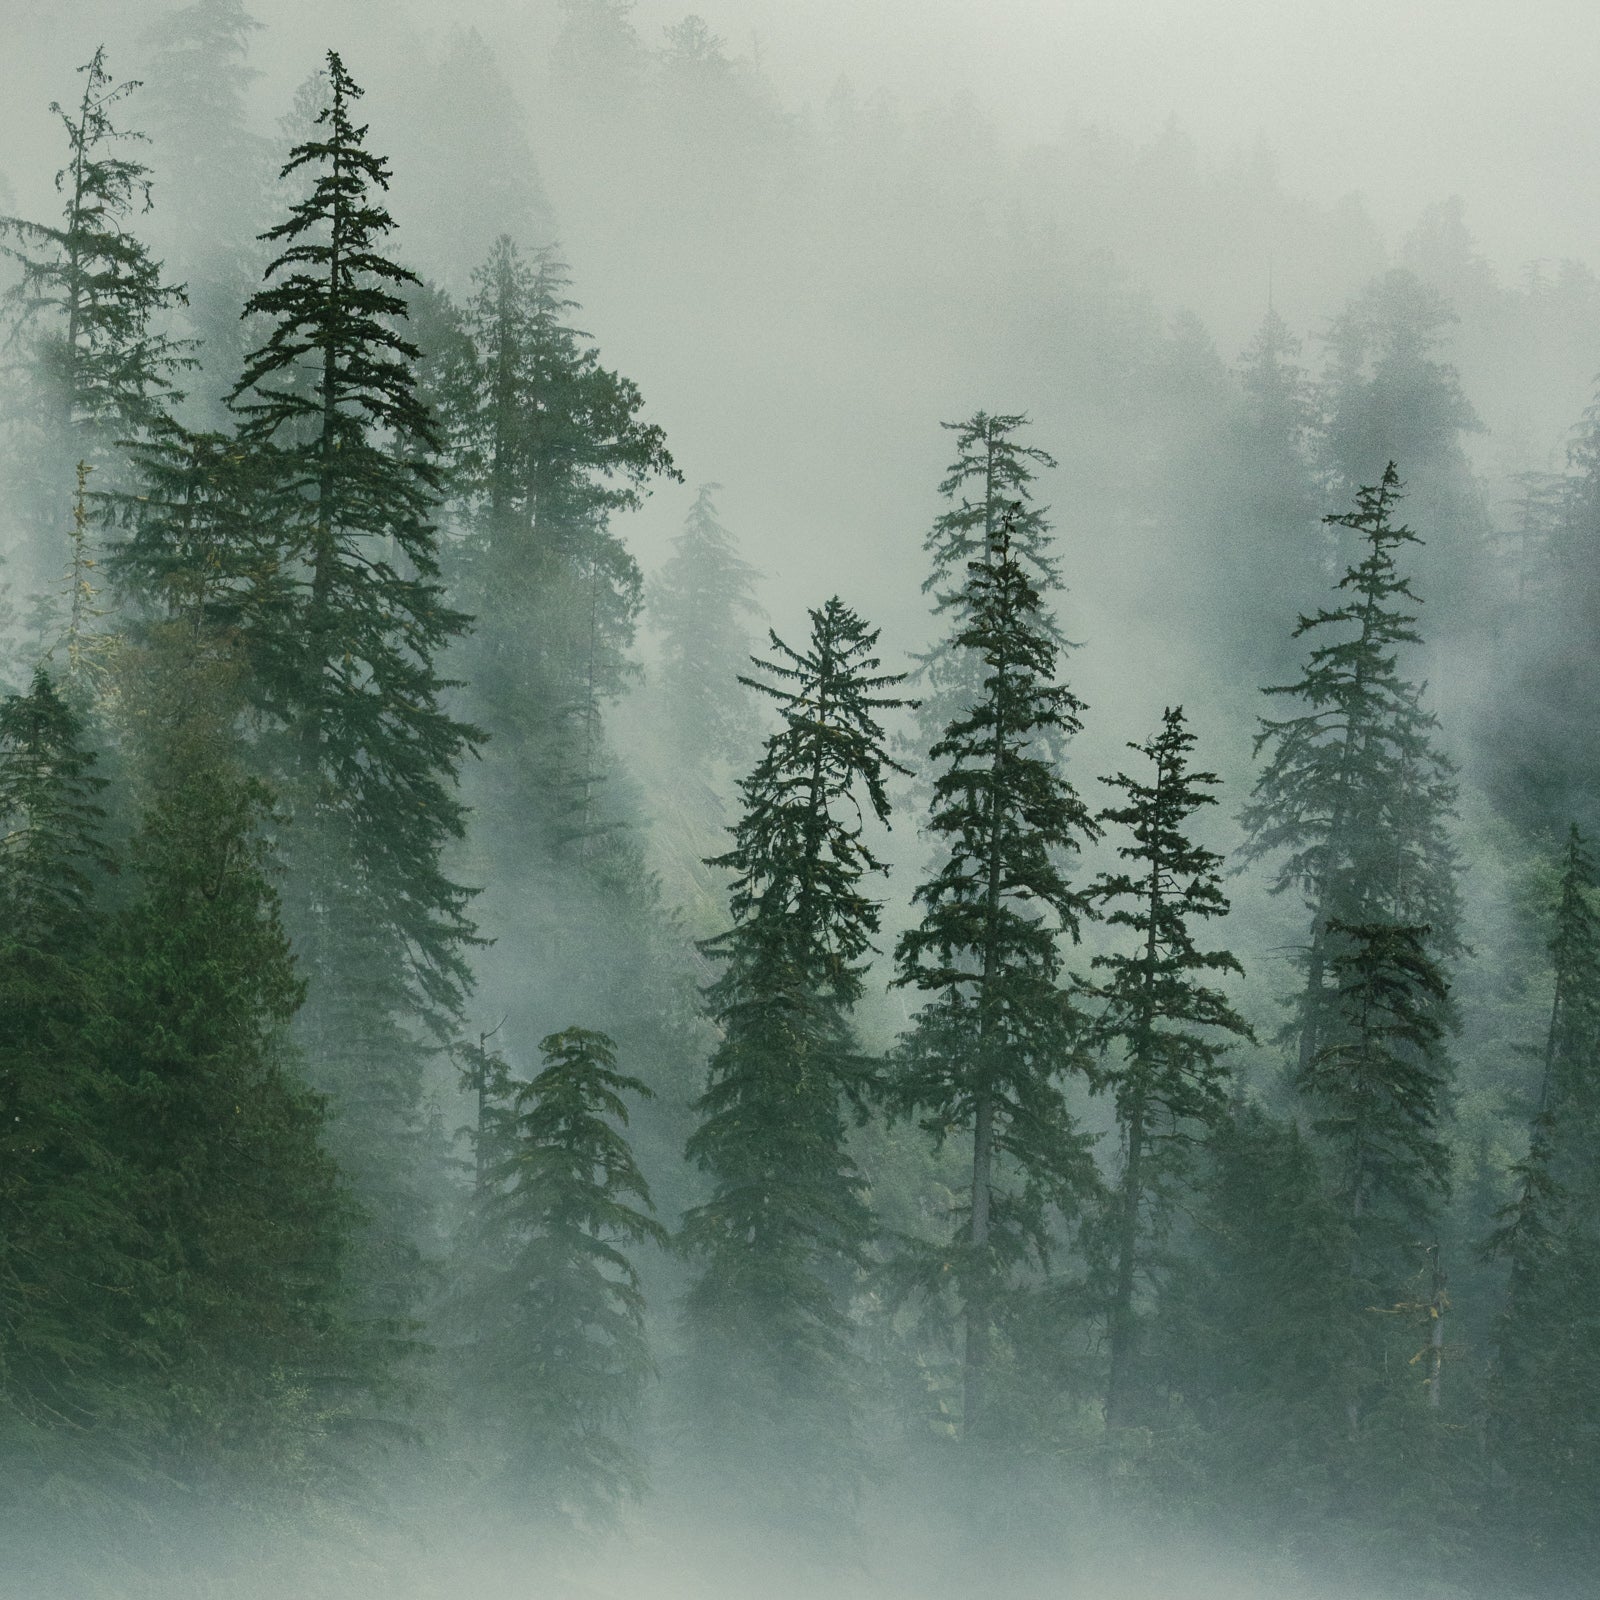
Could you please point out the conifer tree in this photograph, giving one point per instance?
(1168, 1025)
(553, 448)
(63, 1237)
(987, 484)
(86, 310)
(1545, 1425)
(235, 1316)
(1354, 796)
(350, 620)
(989, 1051)
(1377, 1079)
(699, 603)
(214, 171)
(558, 1359)
(786, 1223)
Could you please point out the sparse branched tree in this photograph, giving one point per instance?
(786, 1224)
(85, 312)
(1168, 1026)
(989, 1053)
(986, 485)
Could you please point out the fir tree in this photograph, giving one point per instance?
(215, 172)
(987, 484)
(787, 1222)
(1544, 1423)
(699, 603)
(63, 1235)
(557, 1357)
(350, 621)
(989, 1051)
(236, 1317)
(554, 448)
(86, 309)
(1168, 1025)
(1377, 1080)
(1354, 795)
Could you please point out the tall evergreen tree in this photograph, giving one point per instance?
(555, 447)
(86, 311)
(351, 618)
(215, 173)
(63, 1237)
(235, 1318)
(787, 1221)
(1545, 1425)
(699, 603)
(987, 484)
(1168, 1025)
(1354, 795)
(557, 1360)
(989, 1051)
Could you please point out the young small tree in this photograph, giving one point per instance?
(786, 1224)
(988, 1052)
(1168, 1026)
(557, 1357)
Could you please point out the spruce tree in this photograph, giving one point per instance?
(236, 1317)
(987, 484)
(553, 449)
(1544, 1422)
(1169, 1027)
(699, 603)
(214, 172)
(1354, 796)
(991, 1048)
(350, 618)
(786, 1224)
(556, 1360)
(1377, 1081)
(64, 1240)
(86, 311)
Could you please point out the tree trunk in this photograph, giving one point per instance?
(1127, 1250)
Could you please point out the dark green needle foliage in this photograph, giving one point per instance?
(986, 485)
(62, 1230)
(86, 310)
(553, 1313)
(700, 603)
(1354, 798)
(235, 1317)
(553, 448)
(1378, 1081)
(993, 1046)
(349, 618)
(1165, 1026)
(1544, 1415)
(778, 1242)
